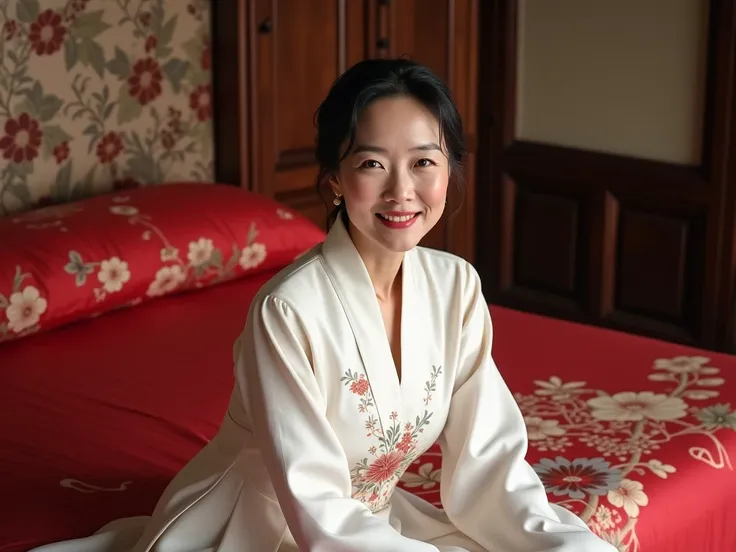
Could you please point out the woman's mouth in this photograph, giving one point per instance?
(397, 220)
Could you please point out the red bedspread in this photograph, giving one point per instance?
(97, 417)
(635, 434)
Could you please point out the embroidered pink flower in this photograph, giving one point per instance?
(384, 467)
(406, 443)
(360, 387)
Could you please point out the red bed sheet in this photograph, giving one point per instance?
(98, 416)
(636, 435)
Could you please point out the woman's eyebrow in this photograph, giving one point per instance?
(362, 148)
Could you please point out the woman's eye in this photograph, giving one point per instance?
(370, 164)
(425, 163)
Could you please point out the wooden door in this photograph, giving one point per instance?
(611, 239)
(297, 49)
(443, 35)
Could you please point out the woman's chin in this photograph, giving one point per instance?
(400, 241)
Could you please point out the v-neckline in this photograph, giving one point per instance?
(398, 368)
(352, 284)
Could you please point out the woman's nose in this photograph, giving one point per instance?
(400, 188)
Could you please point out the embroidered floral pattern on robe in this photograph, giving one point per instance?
(375, 477)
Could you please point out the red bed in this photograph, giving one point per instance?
(99, 413)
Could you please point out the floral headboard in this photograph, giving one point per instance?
(98, 95)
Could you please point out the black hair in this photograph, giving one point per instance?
(337, 117)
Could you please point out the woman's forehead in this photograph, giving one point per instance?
(398, 122)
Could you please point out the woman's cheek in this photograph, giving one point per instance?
(365, 190)
(435, 192)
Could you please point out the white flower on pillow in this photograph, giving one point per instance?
(25, 309)
(167, 280)
(200, 251)
(252, 256)
(284, 214)
(124, 210)
(113, 274)
(169, 253)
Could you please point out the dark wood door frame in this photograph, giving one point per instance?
(597, 213)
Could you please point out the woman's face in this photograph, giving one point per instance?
(394, 181)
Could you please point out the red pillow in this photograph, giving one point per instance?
(63, 263)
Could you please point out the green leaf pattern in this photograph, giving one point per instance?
(119, 92)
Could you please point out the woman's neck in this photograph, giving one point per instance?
(384, 267)
(385, 274)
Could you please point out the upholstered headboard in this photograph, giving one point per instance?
(102, 94)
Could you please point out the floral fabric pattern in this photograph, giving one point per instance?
(374, 478)
(204, 265)
(23, 307)
(77, 260)
(97, 95)
(625, 434)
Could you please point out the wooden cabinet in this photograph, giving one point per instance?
(289, 52)
(298, 49)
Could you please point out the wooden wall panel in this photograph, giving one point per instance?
(640, 245)
(543, 261)
(547, 242)
(652, 269)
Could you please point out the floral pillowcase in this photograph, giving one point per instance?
(69, 262)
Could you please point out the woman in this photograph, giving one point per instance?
(355, 360)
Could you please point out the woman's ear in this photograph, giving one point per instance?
(335, 185)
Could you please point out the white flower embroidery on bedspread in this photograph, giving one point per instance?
(626, 431)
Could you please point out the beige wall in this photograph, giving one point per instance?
(617, 76)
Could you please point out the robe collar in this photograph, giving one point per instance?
(353, 286)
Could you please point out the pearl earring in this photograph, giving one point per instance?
(337, 201)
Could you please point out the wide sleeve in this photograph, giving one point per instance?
(305, 460)
(489, 491)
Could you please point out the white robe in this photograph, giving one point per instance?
(320, 429)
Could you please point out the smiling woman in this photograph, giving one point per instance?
(383, 115)
(358, 358)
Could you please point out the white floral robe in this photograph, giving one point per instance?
(320, 429)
